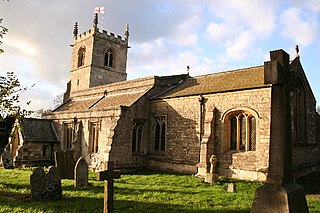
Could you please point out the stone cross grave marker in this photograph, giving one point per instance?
(108, 176)
(46, 186)
(211, 176)
(280, 193)
(7, 160)
(81, 173)
(65, 163)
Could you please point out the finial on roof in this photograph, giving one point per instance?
(95, 21)
(127, 32)
(75, 30)
(297, 51)
(188, 69)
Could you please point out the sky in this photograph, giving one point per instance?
(165, 37)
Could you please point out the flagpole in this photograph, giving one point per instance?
(101, 26)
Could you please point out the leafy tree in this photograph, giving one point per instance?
(3, 31)
(6, 125)
(10, 91)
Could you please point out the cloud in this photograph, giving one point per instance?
(313, 5)
(299, 26)
(165, 36)
(239, 26)
(38, 98)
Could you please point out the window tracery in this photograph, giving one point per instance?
(160, 133)
(242, 131)
(137, 136)
(81, 56)
(109, 58)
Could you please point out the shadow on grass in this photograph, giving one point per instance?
(133, 206)
(80, 204)
(310, 183)
(74, 204)
(15, 186)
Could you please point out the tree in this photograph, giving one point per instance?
(10, 91)
(318, 109)
(6, 125)
(3, 31)
(58, 100)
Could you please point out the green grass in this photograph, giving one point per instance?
(144, 191)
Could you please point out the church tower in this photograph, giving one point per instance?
(98, 58)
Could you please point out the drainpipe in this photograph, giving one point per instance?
(201, 100)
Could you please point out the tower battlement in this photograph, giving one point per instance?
(104, 34)
(98, 57)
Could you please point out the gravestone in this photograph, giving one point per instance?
(7, 160)
(108, 176)
(81, 173)
(280, 193)
(64, 161)
(211, 176)
(231, 187)
(46, 186)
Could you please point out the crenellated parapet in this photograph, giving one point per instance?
(102, 34)
(99, 57)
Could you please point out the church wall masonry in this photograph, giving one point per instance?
(183, 136)
(122, 154)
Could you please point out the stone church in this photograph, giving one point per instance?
(173, 122)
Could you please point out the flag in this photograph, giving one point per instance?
(99, 10)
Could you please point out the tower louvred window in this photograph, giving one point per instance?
(81, 56)
(109, 58)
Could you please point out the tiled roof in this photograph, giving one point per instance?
(125, 99)
(77, 104)
(103, 102)
(219, 82)
(38, 130)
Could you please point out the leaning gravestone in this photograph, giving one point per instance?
(280, 193)
(81, 173)
(7, 160)
(65, 163)
(46, 186)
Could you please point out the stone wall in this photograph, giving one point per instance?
(183, 132)
(121, 153)
(33, 154)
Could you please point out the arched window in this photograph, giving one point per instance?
(137, 136)
(94, 137)
(67, 135)
(242, 131)
(81, 56)
(300, 112)
(108, 58)
(160, 133)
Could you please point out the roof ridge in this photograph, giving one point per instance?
(228, 71)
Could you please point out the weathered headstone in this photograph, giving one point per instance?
(7, 160)
(280, 193)
(65, 163)
(108, 176)
(81, 173)
(46, 186)
(211, 176)
(231, 187)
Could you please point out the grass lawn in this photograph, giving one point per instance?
(144, 191)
